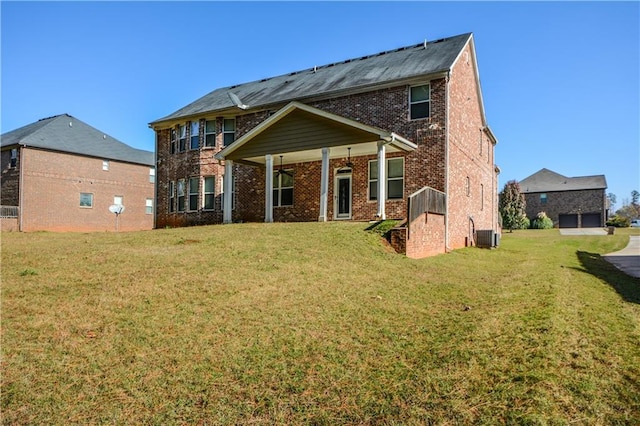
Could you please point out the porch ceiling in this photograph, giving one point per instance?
(298, 132)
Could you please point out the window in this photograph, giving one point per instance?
(195, 135)
(174, 138)
(149, 206)
(172, 194)
(193, 193)
(86, 200)
(283, 188)
(105, 164)
(117, 199)
(181, 195)
(182, 145)
(14, 158)
(543, 198)
(229, 130)
(209, 192)
(420, 101)
(210, 133)
(152, 175)
(395, 179)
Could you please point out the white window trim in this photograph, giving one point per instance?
(369, 180)
(204, 193)
(152, 175)
(280, 188)
(172, 196)
(92, 199)
(225, 131)
(182, 136)
(148, 203)
(420, 102)
(215, 127)
(106, 165)
(195, 123)
(178, 196)
(189, 194)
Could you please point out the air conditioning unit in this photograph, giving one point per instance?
(486, 238)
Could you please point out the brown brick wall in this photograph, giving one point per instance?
(10, 179)
(53, 183)
(472, 194)
(567, 202)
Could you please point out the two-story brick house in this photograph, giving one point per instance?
(308, 145)
(60, 174)
(570, 202)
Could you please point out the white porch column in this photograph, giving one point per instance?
(382, 179)
(324, 185)
(227, 187)
(268, 189)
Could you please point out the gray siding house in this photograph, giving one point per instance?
(571, 202)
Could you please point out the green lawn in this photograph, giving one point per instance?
(315, 323)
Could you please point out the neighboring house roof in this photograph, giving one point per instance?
(546, 180)
(68, 134)
(354, 75)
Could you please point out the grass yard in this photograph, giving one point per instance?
(315, 324)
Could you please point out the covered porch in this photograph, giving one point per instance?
(299, 133)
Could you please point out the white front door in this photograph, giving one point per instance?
(343, 194)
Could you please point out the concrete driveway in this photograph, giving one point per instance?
(583, 231)
(627, 259)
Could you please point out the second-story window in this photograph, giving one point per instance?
(195, 135)
(14, 158)
(174, 140)
(182, 145)
(420, 101)
(210, 133)
(229, 130)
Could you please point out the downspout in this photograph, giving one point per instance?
(446, 164)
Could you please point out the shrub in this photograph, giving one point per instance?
(542, 221)
(619, 221)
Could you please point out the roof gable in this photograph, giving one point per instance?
(300, 128)
(350, 75)
(68, 134)
(546, 180)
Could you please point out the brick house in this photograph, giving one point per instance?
(306, 146)
(60, 174)
(571, 202)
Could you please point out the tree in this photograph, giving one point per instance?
(512, 207)
(612, 201)
(630, 210)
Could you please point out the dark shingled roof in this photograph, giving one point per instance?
(68, 134)
(546, 180)
(353, 74)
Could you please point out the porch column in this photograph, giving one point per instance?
(324, 185)
(227, 196)
(382, 179)
(268, 189)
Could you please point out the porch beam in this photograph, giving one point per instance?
(227, 196)
(268, 201)
(382, 179)
(324, 185)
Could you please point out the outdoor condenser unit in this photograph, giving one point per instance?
(486, 238)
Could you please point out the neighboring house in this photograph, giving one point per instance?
(60, 174)
(571, 202)
(308, 145)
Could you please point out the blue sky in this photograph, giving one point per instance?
(560, 80)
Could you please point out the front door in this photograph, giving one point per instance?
(343, 194)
